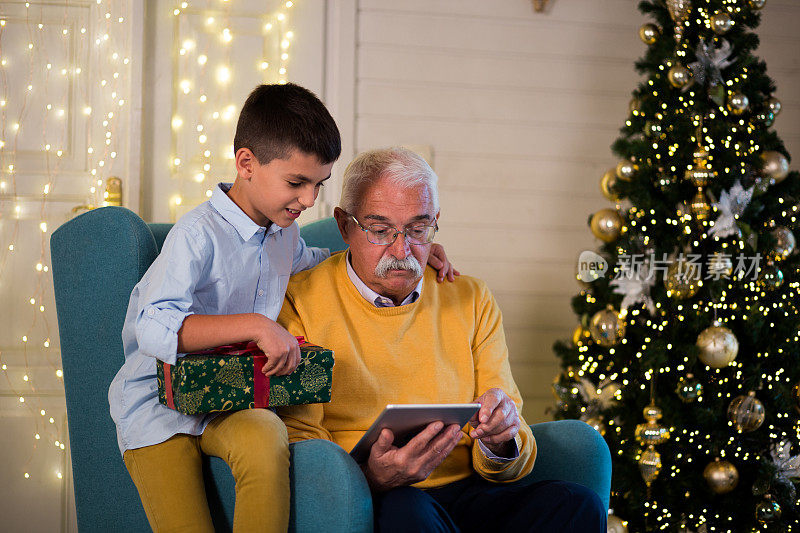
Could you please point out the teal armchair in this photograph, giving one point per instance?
(97, 258)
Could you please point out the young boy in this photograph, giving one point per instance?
(220, 278)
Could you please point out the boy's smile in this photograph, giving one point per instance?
(280, 190)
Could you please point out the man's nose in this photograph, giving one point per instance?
(400, 247)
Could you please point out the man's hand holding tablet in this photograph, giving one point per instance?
(407, 442)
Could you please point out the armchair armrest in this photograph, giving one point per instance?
(572, 450)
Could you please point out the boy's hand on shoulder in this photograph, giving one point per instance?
(438, 260)
(280, 347)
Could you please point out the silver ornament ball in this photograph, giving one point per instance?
(774, 165)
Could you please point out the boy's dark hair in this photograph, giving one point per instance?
(276, 119)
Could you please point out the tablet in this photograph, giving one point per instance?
(406, 420)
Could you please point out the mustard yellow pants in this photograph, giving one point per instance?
(169, 475)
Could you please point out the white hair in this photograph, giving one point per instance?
(399, 165)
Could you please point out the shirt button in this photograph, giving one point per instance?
(151, 311)
(260, 292)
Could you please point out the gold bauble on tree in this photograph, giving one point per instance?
(738, 103)
(770, 277)
(679, 76)
(701, 208)
(768, 510)
(649, 464)
(580, 336)
(606, 327)
(635, 106)
(785, 243)
(775, 106)
(651, 432)
(701, 173)
(606, 225)
(718, 346)
(774, 165)
(681, 280)
(689, 388)
(756, 4)
(746, 413)
(607, 183)
(721, 23)
(626, 170)
(721, 476)
(649, 33)
(679, 12)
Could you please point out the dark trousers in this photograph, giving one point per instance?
(474, 504)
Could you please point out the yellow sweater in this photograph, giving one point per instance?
(447, 347)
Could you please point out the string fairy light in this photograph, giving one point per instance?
(209, 88)
(46, 56)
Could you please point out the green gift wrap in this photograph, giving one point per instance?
(229, 378)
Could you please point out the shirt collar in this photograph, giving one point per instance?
(373, 297)
(234, 215)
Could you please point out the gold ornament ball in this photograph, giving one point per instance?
(746, 413)
(606, 225)
(596, 421)
(650, 464)
(635, 106)
(757, 4)
(775, 106)
(649, 33)
(607, 183)
(682, 280)
(651, 432)
(774, 165)
(738, 103)
(626, 170)
(721, 476)
(606, 327)
(770, 277)
(718, 346)
(580, 336)
(700, 207)
(785, 243)
(721, 23)
(615, 525)
(796, 397)
(768, 510)
(689, 388)
(679, 76)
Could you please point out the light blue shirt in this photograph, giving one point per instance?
(215, 261)
(382, 301)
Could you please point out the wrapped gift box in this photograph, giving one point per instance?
(229, 378)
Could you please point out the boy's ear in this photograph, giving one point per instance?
(341, 220)
(245, 162)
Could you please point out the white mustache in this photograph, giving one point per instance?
(388, 263)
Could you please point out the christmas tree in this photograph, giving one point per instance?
(686, 354)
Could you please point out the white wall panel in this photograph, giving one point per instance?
(520, 110)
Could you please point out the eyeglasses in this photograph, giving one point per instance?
(385, 235)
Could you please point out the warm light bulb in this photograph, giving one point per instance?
(223, 74)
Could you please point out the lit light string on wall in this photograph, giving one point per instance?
(211, 81)
(63, 76)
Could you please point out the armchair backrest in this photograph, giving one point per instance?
(98, 257)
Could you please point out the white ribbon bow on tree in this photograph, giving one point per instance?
(634, 282)
(731, 205)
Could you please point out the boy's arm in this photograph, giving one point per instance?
(306, 257)
(207, 331)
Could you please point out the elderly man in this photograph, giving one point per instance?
(401, 337)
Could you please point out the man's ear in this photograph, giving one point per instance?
(245, 163)
(341, 220)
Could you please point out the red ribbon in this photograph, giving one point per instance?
(168, 385)
(260, 381)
